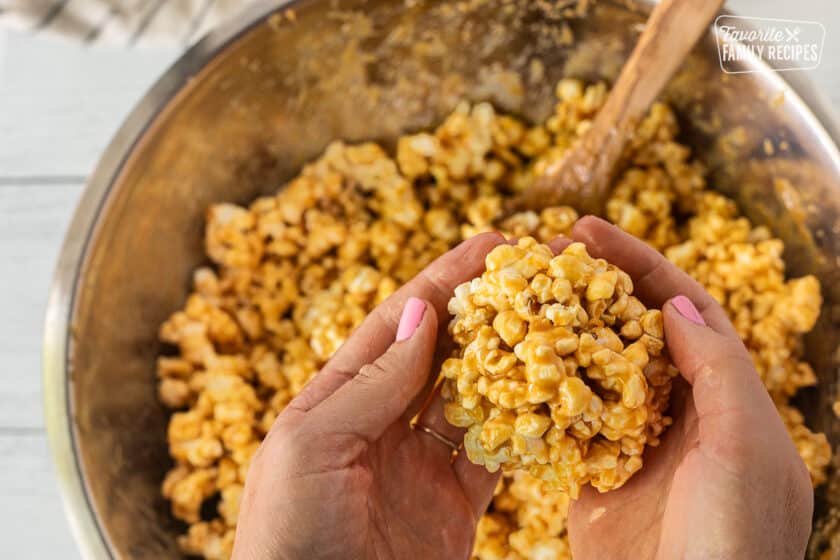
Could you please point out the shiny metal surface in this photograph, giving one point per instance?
(245, 108)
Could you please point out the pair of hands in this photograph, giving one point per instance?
(342, 475)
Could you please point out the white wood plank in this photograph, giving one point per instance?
(60, 102)
(33, 220)
(31, 515)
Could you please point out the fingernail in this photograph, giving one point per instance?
(685, 308)
(410, 319)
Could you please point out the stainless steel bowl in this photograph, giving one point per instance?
(245, 108)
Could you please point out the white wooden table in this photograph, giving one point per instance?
(59, 105)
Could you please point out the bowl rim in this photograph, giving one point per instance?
(81, 513)
(810, 104)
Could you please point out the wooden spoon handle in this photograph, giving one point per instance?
(671, 31)
(583, 176)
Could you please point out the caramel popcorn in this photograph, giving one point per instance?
(294, 273)
(813, 447)
(211, 540)
(742, 267)
(560, 370)
(529, 522)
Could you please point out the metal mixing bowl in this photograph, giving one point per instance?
(245, 108)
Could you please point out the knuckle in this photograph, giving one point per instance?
(728, 355)
(373, 372)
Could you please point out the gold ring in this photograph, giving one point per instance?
(441, 438)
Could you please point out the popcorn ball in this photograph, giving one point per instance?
(561, 370)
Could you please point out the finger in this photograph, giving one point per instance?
(738, 426)
(726, 388)
(558, 244)
(436, 284)
(434, 418)
(477, 482)
(379, 394)
(443, 351)
(655, 278)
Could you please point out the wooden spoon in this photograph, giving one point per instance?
(582, 176)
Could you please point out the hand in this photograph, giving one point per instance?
(727, 482)
(341, 474)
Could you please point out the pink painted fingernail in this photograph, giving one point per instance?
(410, 319)
(685, 308)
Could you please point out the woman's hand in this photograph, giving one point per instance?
(727, 482)
(341, 474)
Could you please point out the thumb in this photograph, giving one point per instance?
(382, 391)
(726, 388)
